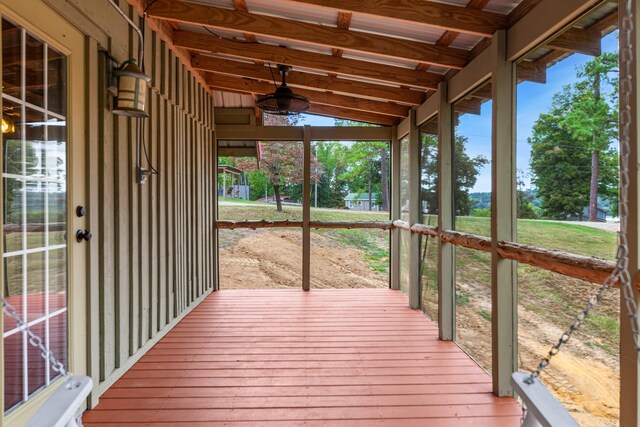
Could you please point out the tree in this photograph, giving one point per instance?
(591, 119)
(573, 155)
(466, 171)
(525, 207)
(332, 187)
(368, 159)
(282, 162)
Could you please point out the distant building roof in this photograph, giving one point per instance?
(361, 196)
(229, 169)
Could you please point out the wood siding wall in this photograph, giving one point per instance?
(152, 255)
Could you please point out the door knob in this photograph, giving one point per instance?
(83, 235)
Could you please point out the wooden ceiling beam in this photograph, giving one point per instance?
(449, 37)
(348, 114)
(309, 81)
(605, 24)
(310, 60)
(344, 21)
(241, 5)
(578, 40)
(520, 11)
(165, 32)
(427, 13)
(340, 112)
(469, 106)
(220, 82)
(532, 71)
(319, 35)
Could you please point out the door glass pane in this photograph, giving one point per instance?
(34, 178)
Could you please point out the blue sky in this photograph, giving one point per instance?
(532, 100)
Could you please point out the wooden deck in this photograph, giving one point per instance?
(290, 358)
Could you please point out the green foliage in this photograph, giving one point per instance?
(485, 315)
(466, 171)
(484, 212)
(579, 129)
(462, 298)
(368, 166)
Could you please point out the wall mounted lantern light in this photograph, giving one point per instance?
(7, 125)
(132, 90)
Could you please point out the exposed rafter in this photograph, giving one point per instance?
(344, 20)
(310, 60)
(220, 82)
(449, 36)
(309, 81)
(578, 40)
(422, 12)
(345, 113)
(288, 30)
(165, 33)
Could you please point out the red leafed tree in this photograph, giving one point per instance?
(282, 162)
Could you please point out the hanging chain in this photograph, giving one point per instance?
(34, 339)
(620, 273)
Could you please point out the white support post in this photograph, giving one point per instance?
(446, 252)
(504, 274)
(306, 211)
(414, 212)
(629, 367)
(394, 280)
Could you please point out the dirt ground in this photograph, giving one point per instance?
(583, 376)
(273, 259)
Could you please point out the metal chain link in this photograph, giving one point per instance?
(620, 273)
(34, 339)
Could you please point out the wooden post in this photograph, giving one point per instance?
(306, 211)
(504, 274)
(446, 252)
(216, 253)
(394, 280)
(414, 211)
(629, 368)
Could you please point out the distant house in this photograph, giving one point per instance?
(584, 216)
(360, 201)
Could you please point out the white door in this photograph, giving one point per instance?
(43, 266)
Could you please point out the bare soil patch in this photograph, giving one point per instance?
(273, 259)
(582, 376)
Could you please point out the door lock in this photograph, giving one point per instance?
(83, 235)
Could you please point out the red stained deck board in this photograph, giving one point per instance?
(289, 358)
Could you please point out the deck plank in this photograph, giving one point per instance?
(289, 358)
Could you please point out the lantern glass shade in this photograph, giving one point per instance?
(8, 126)
(132, 90)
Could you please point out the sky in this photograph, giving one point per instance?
(532, 99)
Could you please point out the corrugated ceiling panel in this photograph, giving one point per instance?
(294, 10)
(394, 28)
(466, 41)
(232, 100)
(225, 33)
(502, 6)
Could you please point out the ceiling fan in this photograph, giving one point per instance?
(283, 101)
